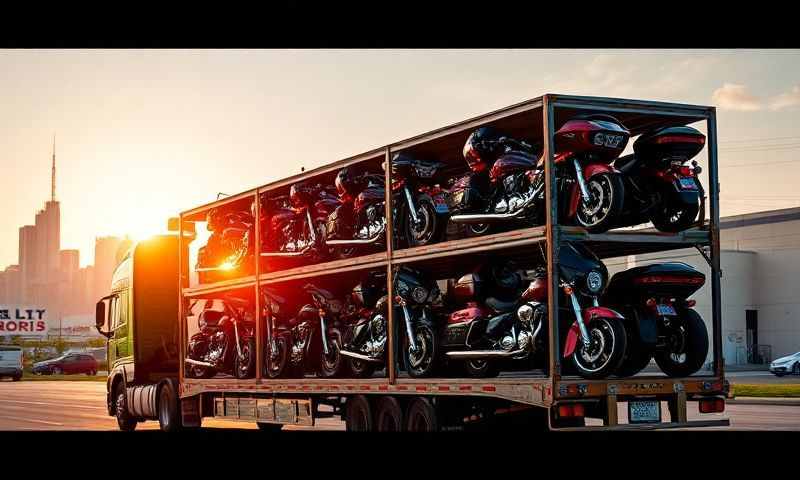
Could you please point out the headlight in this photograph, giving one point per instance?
(594, 281)
(525, 313)
(419, 294)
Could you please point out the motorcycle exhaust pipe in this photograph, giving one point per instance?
(360, 356)
(287, 254)
(198, 363)
(337, 243)
(495, 217)
(483, 354)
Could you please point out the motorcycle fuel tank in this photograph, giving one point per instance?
(369, 196)
(511, 163)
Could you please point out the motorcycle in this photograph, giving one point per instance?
(424, 213)
(659, 186)
(229, 249)
(366, 333)
(293, 349)
(663, 323)
(506, 182)
(225, 342)
(497, 316)
(297, 222)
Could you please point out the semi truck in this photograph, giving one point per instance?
(159, 295)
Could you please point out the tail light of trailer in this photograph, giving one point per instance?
(712, 405)
(571, 410)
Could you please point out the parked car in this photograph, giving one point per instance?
(11, 362)
(69, 363)
(785, 365)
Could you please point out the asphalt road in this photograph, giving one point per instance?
(72, 405)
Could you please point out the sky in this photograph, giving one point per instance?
(142, 135)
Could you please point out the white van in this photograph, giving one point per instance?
(11, 362)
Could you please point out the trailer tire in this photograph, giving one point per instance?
(169, 412)
(359, 416)
(389, 415)
(422, 416)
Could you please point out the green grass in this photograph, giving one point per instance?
(72, 378)
(768, 390)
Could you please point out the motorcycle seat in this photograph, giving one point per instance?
(499, 305)
(627, 163)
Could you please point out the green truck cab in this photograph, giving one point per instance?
(139, 318)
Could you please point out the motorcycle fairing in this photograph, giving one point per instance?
(574, 334)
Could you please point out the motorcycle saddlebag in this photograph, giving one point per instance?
(669, 143)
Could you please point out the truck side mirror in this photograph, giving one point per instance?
(100, 318)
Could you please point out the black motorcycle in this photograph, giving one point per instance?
(366, 333)
(662, 322)
(423, 213)
(229, 250)
(225, 342)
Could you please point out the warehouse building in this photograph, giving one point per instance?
(760, 261)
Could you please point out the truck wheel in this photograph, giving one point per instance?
(125, 421)
(389, 415)
(269, 427)
(687, 347)
(169, 415)
(359, 415)
(421, 416)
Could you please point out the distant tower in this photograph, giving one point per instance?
(53, 174)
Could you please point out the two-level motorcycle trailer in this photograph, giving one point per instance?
(545, 398)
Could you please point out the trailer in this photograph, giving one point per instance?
(543, 397)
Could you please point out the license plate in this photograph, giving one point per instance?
(440, 204)
(665, 310)
(644, 411)
(687, 183)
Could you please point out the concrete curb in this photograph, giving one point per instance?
(784, 401)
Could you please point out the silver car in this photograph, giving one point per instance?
(786, 365)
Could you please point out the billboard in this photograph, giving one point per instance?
(23, 321)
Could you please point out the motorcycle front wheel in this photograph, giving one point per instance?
(332, 364)
(246, 364)
(687, 346)
(605, 207)
(361, 368)
(429, 229)
(421, 362)
(606, 350)
(276, 361)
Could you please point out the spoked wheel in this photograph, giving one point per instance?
(420, 361)
(477, 229)
(481, 368)
(361, 368)
(277, 358)
(687, 346)
(246, 364)
(332, 364)
(389, 415)
(605, 206)
(427, 230)
(605, 351)
(674, 218)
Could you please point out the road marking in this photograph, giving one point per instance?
(54, 404)
(20, 419)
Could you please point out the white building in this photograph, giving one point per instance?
(760, 261)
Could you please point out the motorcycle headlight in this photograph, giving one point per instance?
(525, 313)
(419, 294)
(594, 281)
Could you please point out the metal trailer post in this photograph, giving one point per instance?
(552, 240)
(716, 273)
(257, 259)
(389, 235)
(180, 319)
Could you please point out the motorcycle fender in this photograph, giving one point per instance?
(593, 169)
(574, 334)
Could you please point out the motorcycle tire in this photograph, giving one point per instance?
(668, 218)
(423, 363)
(276, 367)
(636, 358)
(246, 367)
(198, 371)
(693, 348)
(481, 368)
(610, 334)
(333, 364)
(360, 368)
(610, 185)
(344, 253)
(432, 228)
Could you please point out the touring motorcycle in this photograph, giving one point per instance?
(659, 185)
(366, 333)
(225, 341)
(506, 182)
(662, 322)
(229, 250)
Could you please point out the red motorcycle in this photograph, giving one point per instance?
(659, 185)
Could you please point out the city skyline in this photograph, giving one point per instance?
(146, 134)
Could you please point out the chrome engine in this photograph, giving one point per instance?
(374, 222)
(375, 344)
(515, 199)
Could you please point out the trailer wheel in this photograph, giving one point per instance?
(421, 416)
(169, 414)
(389, 415)
(125, 421)
(359, 415)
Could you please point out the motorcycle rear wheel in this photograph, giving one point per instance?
(480, 368)
(688, 350)
(360, 368)
(608, 192)
(673, 219)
